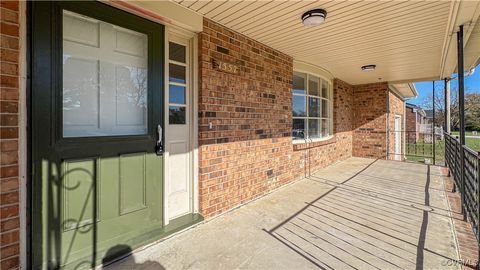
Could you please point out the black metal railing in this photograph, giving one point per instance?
(466, 176)
(416, 147)
(452, 158)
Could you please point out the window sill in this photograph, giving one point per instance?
(311, 143)
(312, 140)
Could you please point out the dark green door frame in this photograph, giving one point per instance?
(45, 111)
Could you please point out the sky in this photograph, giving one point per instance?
(424, 89)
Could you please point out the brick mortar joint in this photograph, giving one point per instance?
(10, 36)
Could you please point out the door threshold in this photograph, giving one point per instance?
(181, 223)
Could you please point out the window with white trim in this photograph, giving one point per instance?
(312, 106)
(177, 97)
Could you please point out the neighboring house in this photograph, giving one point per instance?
(415, 120)
(124, 122)
(429, 124)
(429, 116)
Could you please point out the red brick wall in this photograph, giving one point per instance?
(410, 118)
(248, 151)
(396, 107)
(370, 116)
(412, 126)
(249, 105)
(9, 114)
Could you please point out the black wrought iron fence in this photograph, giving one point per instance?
(452, 157)
(416, 146)
(466, 176)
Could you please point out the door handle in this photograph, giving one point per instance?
(159, 144)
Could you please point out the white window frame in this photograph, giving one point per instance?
(329, 100)
(177, 39)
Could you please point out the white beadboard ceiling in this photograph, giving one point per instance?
(405, 39)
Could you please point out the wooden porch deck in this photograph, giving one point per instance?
(356, 214)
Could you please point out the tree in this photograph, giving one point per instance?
(439, 105)
(472, 109)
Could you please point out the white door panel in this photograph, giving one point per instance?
(80, 93)
(179, 167)
(179, 189)
(178, 103)
(104, 78)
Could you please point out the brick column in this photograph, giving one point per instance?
(9, 115)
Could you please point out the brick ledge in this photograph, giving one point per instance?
(309, 145)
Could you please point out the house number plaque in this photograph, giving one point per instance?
(224, 66)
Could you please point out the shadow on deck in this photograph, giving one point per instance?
(387, 214)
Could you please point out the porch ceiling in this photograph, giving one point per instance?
(407, 40)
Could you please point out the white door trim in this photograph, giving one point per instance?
(22, 136)
(398, 137)
(172, 33)
(194, 134)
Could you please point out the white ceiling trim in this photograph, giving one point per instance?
(404, 90)
(464, 13)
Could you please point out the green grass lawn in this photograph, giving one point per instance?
(473, 143)
(419, 151)
(467, 133)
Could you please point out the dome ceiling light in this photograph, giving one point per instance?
(368, 68)
(314, 17)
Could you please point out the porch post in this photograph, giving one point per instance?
(433, 124)
(461, 111)
(447, 104)
(446, 122)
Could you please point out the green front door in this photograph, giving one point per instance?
(96, 96)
